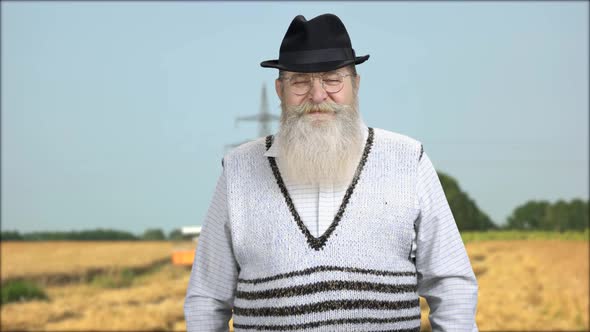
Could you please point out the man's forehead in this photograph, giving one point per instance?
(314, 73)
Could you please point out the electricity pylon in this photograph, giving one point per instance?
(264, 118)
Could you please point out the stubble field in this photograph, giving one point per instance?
(528, 285)
(49, 261)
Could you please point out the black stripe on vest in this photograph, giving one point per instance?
(324, 268)
(323, 286)
(333, 322)
(327, 306)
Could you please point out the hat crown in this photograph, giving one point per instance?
(320, 44)
(324, 31)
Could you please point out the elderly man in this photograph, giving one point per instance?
(329, 225)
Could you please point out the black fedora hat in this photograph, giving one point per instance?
(318, 45)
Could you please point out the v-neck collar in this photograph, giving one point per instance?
(318, 243)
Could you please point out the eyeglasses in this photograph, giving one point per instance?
(300, 84)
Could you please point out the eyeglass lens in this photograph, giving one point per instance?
(301, 84)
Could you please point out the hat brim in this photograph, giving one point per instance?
(313, 67)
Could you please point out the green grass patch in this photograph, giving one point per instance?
(21, 290)
(116, 279)
(126, 277)
(525, 235)
(147, 274)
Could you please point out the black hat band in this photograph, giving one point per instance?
(315, 56)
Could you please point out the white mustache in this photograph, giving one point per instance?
(310, 107)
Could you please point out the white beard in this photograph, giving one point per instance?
(316, 151)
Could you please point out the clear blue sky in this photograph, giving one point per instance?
(116, 115)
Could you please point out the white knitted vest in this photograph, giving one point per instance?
(357, 276)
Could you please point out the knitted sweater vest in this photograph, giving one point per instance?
(357, 276)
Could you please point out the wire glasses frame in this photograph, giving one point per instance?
(300, 84)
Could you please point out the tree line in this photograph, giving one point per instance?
(542, 215)
(559, 216)
(151, 234)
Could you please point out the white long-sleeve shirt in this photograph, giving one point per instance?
(445, 282)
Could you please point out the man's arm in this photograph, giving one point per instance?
(445, 276)
(210, 294)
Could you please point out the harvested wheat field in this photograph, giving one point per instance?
(151, 302)
(523, 285)
(531, 285)
(57, 262)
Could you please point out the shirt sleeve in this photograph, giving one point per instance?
(211, 288)
(445, 276)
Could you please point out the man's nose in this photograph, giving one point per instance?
(317, 94)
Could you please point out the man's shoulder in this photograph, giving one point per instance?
(248, 150)
(390, 140)
(393, 137)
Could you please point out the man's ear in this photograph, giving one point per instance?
(357, 80)
(279, 89)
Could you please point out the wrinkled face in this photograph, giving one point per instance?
(290, 93)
